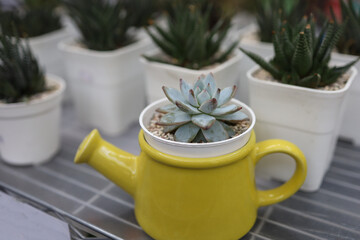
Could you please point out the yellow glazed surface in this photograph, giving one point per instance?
(180, 198)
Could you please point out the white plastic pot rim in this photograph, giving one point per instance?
(51, 36)
(70, 45)
(201, 149)
(237, 55)
(288, 87)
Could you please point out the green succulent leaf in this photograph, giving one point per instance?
(203, 121)
(228, 129)
(225, 95)
(215, 133)
(185, 88)
(175, 118)
(233, 117)
(203, 96)
(187, 108)
(186, 133)
(173, 95)
(208, 106)
(167, 108)
(226, 110)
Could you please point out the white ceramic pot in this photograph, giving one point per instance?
(45, 49)
(309, 118)
(350, 128)
(159, 74)
(252, 45)
(107, 87)
(29, 131)
(194, 150)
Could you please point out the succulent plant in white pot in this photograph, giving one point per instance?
(199, 113)
(257, 37)
(40, 23)
(30, 106)
(309, 95)
(105, 76)
(188, 47)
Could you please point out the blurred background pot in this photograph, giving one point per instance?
(29, 131)
(107, 86)
(302, 116)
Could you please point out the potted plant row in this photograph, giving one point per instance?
(188, 46)
(40, 23)
(198, 152)
(104, 73)
(309, 95)
(349, 48)
(257, 37)
(30, 106)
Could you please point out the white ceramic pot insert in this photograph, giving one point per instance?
(194, 150)
(350, 128)
(159, 74)
(307, 117)
(29, 131)
(107, 87)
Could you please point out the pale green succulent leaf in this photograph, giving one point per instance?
(233, 117)
(228, 129)
(168, 129)
(167, 108)
(185, 88)
(215, 133)
(225, 110)
(226, 94)
(192, 99)
(187, 108)
(173, 94)
(208, 106)
(199, 83)
(203, 121)
(175, 118)
(186, 133)
(210, 84)
(203, 96)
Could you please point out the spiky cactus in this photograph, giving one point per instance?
(301, 57)
(349, 43)
(189, 41)
(20, 75)
(30, 19)
(200, 113)
(103, 24)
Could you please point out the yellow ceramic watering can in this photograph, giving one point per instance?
(178, 198)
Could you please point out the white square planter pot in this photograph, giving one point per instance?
(107, 87)
(45, 49)
(159, 75)
(29, 131)
(307, 117)
(252, 45)
(350, 128)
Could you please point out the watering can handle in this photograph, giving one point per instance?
(268, 197)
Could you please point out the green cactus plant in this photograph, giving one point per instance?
(188, 41)
(271, 13)
(142, 11)
(349, 43)
(104, 25)
(20, 75)
(302, 58)
(200, 113)
(32, 18)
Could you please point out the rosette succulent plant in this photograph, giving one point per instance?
(200, 113)
(301, 57)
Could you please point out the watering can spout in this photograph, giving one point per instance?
(115, 164)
